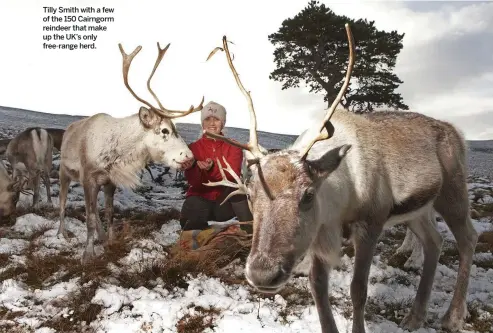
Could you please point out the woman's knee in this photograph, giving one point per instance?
(195, 213)
(242, 210)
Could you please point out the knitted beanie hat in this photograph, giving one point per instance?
(215, 110)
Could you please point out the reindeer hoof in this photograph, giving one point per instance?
(411, 322)
(454, 320)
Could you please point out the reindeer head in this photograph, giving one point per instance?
(283, 195)
(10, 191)
(161, 138)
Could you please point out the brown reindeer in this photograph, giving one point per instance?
(30, 154)
(368, 172)
(55, 133)
(3, 145)
(9, 191)
(103, 151)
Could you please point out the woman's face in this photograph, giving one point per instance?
(212, 124)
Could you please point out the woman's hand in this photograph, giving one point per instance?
(205, 165)
(187, 164)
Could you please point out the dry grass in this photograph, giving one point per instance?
(486, 238)
(392, 311)
(199, 321)
(181, 264)
(82, 311)
(480, 323)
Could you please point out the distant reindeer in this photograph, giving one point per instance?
(55, 133)
(3, 145)
(105, 151)
(30, 154)
(10, 190)
(367, 171)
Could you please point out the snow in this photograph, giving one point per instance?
(157, 307)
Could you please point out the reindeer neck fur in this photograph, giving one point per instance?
(119, 149)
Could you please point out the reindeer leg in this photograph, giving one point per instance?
(453, 206)
(109, 193)
(319, 284)
(64, 183)
(431, 240)
(37, 181)
(46, 181)
(91, 190)
(365, 238)
(150, 172)
(408, 243)
(412, 245)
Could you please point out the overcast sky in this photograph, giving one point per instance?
(446, 63)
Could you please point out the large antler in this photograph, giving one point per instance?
(321, 134)
(252, 145)
(127, 61)
(241, 188)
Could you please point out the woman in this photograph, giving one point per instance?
(203, 203)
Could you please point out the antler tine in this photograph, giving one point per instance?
(127, 61)
(241, 188)
(160, 56)
(163, 111)
(325, 135)
(252, 145)
(228, 140)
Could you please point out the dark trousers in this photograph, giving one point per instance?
(196, 210)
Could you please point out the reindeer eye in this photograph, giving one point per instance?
(165, 131)
(307, 198)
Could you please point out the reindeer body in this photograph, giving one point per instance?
(105, 151)
(398, 162)
(114, 147)
(30, 154)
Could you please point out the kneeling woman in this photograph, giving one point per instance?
(203, 203)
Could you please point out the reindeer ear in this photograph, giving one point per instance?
(326, 164)
(148, 118)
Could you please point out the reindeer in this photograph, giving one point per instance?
(30, 154)
(3, 145)
(9, 191)
(105, 151)
(369, 172)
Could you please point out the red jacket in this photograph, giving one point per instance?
(202, 149)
